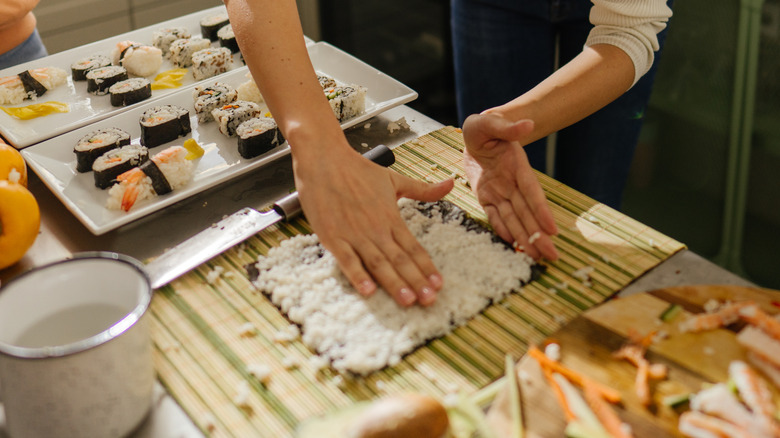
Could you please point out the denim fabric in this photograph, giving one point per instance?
(32, 48)
(503, 48)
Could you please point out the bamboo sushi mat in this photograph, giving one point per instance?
(202, 358)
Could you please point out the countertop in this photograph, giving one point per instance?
(62, 235)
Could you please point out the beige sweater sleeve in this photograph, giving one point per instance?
(631, 25)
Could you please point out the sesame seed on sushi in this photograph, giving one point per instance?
(30, 84)
(164, 123)
(166, 171)
(227, 38)
(347, 101)
(326, 81)
(96, 143)
(257, 136)
(182, 50)
(231, 115)
(164, 38)
(138, 59)
(99, 80)
(211, 62)
(210, 25)
(209, 97)
(115, 162)
(130, 91)
(80, 68)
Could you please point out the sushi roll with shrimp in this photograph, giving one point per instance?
(209, 97)
(97, 143)
(99, 80)
(231, 115)
(130, 91)
(257, 136)
(116, 162)
(80, 68)
(165, 172)
(161, 124)
(138, 59)
(165, 37)
(30, 84)
(211, 24)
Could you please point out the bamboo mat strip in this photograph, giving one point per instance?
(204, 354)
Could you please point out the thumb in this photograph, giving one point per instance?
(406, 187)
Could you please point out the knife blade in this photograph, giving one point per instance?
(233, 230)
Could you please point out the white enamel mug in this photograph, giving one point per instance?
(75, 348)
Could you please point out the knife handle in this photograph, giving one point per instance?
(290, 206)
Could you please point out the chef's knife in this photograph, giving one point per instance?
(233, 230)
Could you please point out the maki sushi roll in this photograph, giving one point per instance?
(211, 62)
(227, 38)
(231, 115)
(138, 59)
(80, 68)
(97, 143)
(210, 25)
(164, 123)
(257, 136)
(347, 102)
(326, 81)
(166, 171)
(209, 97)
(163, 38)
(115, 162)
(182, 50)
(30, 84)
(101, 79)
(130, 91)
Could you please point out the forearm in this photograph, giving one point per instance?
(271, 39)
(591, 80)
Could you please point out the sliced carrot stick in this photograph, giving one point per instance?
(608, 393)
(606, 415)
(548, 374)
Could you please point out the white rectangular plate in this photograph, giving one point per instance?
(55, 163)
(86, 107)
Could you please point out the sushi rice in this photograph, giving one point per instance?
(12, 90)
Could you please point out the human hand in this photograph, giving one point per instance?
(351, 203)
(501, 177)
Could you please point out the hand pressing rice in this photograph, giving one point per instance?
(361, 335)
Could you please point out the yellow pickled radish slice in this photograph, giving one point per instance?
(37, 110)
(193, 149)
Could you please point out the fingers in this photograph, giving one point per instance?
(397, 262)
(413, 189)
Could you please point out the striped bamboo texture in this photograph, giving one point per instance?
(202, 359)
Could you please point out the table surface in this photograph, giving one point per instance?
(62, 235)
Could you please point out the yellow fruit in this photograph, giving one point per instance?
(11, 159)
(20, 220)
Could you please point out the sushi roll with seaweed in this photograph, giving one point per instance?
(227, 38)
(80, 68)
(115, 162)
(182, 50)
(130, 91)
(164, 123)
(165, 172)
(257, 136)
(30, 84)
(211, 24)
(211, 62)
(138, 59)
(209, 97)
(347, 101)
(165, 37)
(99, 80)
(233, 114)
(97, 143)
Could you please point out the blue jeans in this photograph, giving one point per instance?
(503, 48)
(32, 48)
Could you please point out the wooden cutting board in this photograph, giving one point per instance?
(587, 344)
